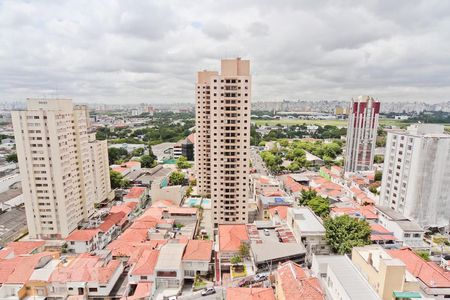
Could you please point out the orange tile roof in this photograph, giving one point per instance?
(131, 163)
(296, 284)
(135, 192)
(379, 233)
(82, 235)
(21, 247)
(146, 263)
(428, 272)
(272, 192)
(19, 269)
(251, 294)
(191, 138)
(126, 208)
(175, 210)
(281, 210)
(120, 169)
(143, 291)
(231, 237)
(86, 268)
(292, 185)
(198, 250)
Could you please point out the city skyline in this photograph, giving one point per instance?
(64, 51)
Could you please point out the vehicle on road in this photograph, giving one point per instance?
(266, 232)
(244, 282)
(208, 291)
(260, 277)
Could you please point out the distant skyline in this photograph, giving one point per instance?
(116, 52)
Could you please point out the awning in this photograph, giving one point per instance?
(406, 295)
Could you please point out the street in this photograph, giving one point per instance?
(257, 162)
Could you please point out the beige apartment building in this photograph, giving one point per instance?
(387, 275)
(223, 139)
(63, 172)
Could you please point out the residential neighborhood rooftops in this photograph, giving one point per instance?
(135, 192)
(231, 236)
(390, 213)
(250, 294)
(20, 247)
(296, 284)
(82, 235)
(428, 272)
(306, 220)
(146, 262)
(198, 250)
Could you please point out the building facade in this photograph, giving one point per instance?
(361, 134)
(56, 166)
(223, 139)
(416, 174)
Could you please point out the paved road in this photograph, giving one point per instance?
(257, 162)
(219, 295)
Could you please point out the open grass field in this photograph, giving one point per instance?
(339, 123)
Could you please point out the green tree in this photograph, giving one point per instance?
(306, 196)
(150, 152)
(147, 161)
(182, 163)
(236, 260)
(378, 176)
(176, 178)
(12, 157)
(138, 152)
(378, 159)
(344, 232)
(244, 250)
(117, 180)
(320, 206)
(116, 154)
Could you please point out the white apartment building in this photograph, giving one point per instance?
(223, 139)
(361, 134)
(58, 166)
(100, 167)
(416, 174)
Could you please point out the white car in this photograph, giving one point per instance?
(266, 232)
(208, 291)
(260, 277)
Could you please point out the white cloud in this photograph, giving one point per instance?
(133, 51)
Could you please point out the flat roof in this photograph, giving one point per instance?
(170, 256)
(269, 248)
(408, 225)
(396, 216)
(307, 221)
(348, 276)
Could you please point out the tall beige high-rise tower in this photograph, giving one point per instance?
(223, 139)
(63, 172)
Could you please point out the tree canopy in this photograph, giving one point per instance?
(12, 157)
(176, 178)
(344, 232)
(182, 163)
(147, 161)
(118, 180)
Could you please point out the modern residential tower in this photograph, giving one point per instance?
(416, 174)
(223, 139)
(63, 172)
(361, 134)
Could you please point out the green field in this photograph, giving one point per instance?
(343, 123)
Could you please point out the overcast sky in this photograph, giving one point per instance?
(149, 51)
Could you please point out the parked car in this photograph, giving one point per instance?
(208, 291)
(244, 282)
(266, 232)
(260, 277)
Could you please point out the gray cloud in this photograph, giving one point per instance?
(113, 51)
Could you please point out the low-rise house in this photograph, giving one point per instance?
(137, 194)
(268, 200)
(86, 275)
(83, 240)
(250, 294)
(278, 214)
(386, 274)
(260, 182)
(340, 279)
(230, 239)
(434, 280)
(169, 268)
(143, 290)
(197, 258)
(381, 236)
(294, 282)
(308, 229)
(407, 232)
(16, 272)
(144, 268)
(14, 249)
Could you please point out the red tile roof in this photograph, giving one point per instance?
(251, 294)
(379, 233)
(82, 235)
(198, 250)
(231, 237)
(281, 210)
(19, 248)
(146, 263)
(135, 192)
(86, 268)
(131, 164)
(163, 203)
(292, 185)
(428, 272)
(296, 284)
(191, 138)
(19, 269)
(143, 291)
